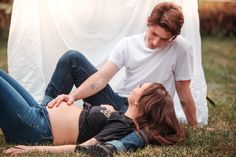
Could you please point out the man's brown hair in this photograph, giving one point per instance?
(169, 16)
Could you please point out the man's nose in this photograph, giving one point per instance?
(156, 41)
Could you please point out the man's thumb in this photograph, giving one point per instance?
(70, 101)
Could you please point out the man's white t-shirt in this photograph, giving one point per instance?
(165, 65)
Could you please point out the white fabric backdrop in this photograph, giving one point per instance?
(42, 30)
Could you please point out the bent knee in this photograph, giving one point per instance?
(71, 55)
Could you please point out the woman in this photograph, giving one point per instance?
(23, 121)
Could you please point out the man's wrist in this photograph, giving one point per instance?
(74, 96)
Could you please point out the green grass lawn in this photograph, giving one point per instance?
(218, 138)
(3, 50)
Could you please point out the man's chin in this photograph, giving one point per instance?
(154, 47)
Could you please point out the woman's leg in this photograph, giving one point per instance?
(131, 141)
(73, 68)
(28, 98)
(21, 123)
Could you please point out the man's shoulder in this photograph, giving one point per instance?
(130, 40)
(134, 36)
(181, 41)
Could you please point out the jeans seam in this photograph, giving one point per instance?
(65, 81)
(85, 71)
(63, 85)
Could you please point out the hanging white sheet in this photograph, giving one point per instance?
(42, 30)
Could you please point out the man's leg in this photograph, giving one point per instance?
(73, 68)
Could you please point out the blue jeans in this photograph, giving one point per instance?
(22, 120)
(73, 69)
(130, 142)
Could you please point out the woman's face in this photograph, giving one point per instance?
(137, 92)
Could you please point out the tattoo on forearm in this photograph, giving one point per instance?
(93, 86)
(97, 84)
(182, 103)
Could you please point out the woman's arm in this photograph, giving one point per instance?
(91, 141)
(28, 149)
(20, 149)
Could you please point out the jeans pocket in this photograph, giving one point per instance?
(34, 119)
(34, 128)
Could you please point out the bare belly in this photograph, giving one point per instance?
(65, 123)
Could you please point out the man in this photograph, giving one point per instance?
(158, 55)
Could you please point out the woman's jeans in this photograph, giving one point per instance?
(73, 69)
(22, 120)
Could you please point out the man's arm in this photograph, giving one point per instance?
(96, 82)
(186, 100)
(91, 86)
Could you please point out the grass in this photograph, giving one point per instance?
(218, 138)
(3, 50)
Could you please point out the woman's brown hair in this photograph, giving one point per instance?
(169, 16)
(157, 118)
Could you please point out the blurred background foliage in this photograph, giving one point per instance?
(5, 15)
(218, 17)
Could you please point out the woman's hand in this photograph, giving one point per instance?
(108, 107)
(20, 149)
(69, 99)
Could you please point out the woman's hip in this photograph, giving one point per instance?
(31, 128)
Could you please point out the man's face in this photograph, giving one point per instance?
(157, 37)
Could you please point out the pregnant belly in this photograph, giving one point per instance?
(64, 123)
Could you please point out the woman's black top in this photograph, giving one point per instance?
(98, 122)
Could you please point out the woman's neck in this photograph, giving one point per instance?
(131, 112)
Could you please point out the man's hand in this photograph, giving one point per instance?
(197, 125)
(69, 99)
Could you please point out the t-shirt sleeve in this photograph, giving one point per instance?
(117, 127)
(184, 65)
(117, 55)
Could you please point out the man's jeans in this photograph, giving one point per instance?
(73, 69)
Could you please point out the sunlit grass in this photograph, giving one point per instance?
(3, 51)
